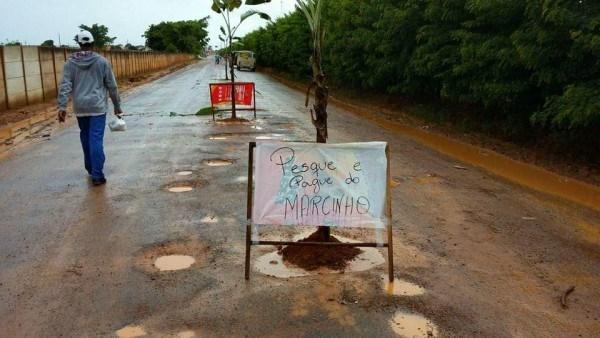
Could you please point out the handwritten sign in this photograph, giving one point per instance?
(320, 184)
(220, 93)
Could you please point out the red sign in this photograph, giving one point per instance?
(220, 93)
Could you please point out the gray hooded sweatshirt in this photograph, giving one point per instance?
(89, 77)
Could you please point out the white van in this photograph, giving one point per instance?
(244, 59)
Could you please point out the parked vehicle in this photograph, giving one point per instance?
(244, 59)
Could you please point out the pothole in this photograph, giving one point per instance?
(272, 264)
(185, 173)
(131, 332)
(172, 256)
(217, 162)
(401, 287)
(408, 324)
(218, 137)
(183, 186)
(269, 137)
(181, 189)
(226, 136)
(210, 219)
(174, 262)
(241, 179)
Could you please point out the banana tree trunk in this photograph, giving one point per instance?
(231, 69)
(320, 115)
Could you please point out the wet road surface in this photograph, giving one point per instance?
(492, 258)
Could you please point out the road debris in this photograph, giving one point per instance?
(563, 298)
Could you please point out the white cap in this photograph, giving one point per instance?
(84, 37)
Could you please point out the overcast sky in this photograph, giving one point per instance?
(34, 21)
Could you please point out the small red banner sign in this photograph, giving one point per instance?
(220, 93)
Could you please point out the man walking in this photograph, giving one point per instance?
(89, 77)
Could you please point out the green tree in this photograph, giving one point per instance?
(100, 34)
(178, 37)
(48, 43)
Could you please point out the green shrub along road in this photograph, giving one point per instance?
(529, 71)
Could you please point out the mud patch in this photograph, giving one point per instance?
(400, 287)
(179, 253)
(173, 262)
(217, 162)
(314, 257)
(131, 332)
(408, 324)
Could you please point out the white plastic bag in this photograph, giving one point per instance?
(117, 124)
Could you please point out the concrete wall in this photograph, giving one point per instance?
(32, 74)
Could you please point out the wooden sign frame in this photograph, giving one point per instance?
(250, 204)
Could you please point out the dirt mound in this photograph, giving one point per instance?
(314, 257)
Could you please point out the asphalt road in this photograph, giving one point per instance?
(76, 260)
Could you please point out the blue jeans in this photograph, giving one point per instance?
(92, 139)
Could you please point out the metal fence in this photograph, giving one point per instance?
(32, 74)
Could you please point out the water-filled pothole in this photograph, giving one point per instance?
(217, 162)
(269, 137)
(131, 332)
(183, 186)
(210, 219)
(408, 324)
(181, 189)
(401, 287)
(172, 256)
(234, 136)
(173, 262)
(185, 173)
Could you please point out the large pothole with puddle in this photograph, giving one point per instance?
(273, 264)
(172, 256)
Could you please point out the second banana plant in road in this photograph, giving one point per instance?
(225, 7)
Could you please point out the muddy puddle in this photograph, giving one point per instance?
(406, 324)
(184, 173)
(131, 332)
(217, 162)
(400, 287)
(272, 264)
(173, 262)
(172, 256)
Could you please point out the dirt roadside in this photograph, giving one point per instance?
(19, 114)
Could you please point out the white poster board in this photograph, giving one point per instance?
(320, 184)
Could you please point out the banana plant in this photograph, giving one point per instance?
(225, 7)
(318, 114)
